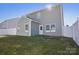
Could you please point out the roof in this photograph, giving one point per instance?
(17, 18)
(39, 10)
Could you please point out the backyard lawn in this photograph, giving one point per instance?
(37, 45)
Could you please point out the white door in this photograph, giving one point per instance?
(40, 29)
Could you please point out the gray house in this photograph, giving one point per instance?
(41, 22)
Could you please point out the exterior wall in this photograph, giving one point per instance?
(76, 32)
(53, 16)
(34, 28)
(8, 31)
(67, 31)
(44, 17)
(21, 26)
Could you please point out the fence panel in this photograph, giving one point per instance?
(11, 31)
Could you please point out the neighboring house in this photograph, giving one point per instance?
(41, 22)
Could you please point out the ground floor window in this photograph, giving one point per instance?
(26, 28)
(50, 27)
(53, 27)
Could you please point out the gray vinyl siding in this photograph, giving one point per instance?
(34, 28)
(21, 26)
(52, 17)
(55, 16)
(33, 16)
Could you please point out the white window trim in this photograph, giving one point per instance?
(28, 27)
(49, 28)
(53, 30)
(40, 26)
(40, 31)
(26, 31)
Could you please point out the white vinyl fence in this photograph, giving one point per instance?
(11, 31)
(72, 31)
(76, 32)
(67, 31)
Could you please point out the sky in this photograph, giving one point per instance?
(12, 10)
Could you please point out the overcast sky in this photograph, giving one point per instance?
(71, 11)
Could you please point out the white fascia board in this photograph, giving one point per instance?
(35, 21)
(29, 27)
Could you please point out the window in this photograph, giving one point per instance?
(26, 28)
(53, 28)
(50, 28)
(47, 28)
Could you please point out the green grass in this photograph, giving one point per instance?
(37, 45)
